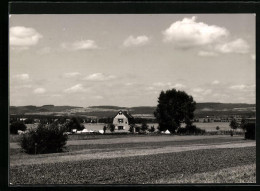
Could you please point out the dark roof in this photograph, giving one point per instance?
(128, 115)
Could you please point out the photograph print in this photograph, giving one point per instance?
(132, 99)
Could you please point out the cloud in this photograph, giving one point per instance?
(160, 84)
(22, 76)
(188, 33)
(178, 86)
(99, 77)
(71, 74)
(76, 89)
(23, 37)
(202, 91)
(80, 45)
(138, 41)
(207, 53)
(243, 87)
(236, 46)
(39, 91)
(215, 82)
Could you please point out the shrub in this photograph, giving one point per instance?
(152, 129)
(15, 126)
(137, 129)
(131, 128)
(191, 130)
(111, 127)
(144, 126)
(49, 139)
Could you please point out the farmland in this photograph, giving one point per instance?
(138, 159)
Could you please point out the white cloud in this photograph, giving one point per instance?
(236, 46)
(202, 91)
(76, 89)
(71, 74)
(99, 77)
(39, 91)
(138, 41)
(188, 33)
(215, 82)
(198, 90)
(160, 84)
(178, 86)
(23, 37)
(243, 87)
(207, 53)
(22, 76)
(80, 45)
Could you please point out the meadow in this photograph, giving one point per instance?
(139, 159)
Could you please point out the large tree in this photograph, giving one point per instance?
(173, 108)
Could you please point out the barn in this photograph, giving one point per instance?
(122, 120)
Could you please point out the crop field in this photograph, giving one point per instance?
(139, 159)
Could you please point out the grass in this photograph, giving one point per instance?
(147, 169)
(239, 174)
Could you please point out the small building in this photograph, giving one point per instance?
(122, 120)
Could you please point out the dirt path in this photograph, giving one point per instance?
(86, 155)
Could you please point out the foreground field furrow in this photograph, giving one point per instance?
(239, 174)
(133, 170)
(119, 153)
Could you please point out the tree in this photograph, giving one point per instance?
(29, 121)
(111, 127)
(173, 108)
(152, 129)
(233, 124)
(243, 124)
(217, 128)
(17, 125)
(131, 128)
(73, 124)
(144, 126)
(45, 139)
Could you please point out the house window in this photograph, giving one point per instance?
(120, 127)
(120, 120)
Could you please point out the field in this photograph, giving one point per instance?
(139, 159)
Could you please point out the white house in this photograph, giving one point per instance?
(122, 121)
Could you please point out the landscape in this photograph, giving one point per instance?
(132, 99)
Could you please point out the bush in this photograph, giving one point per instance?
(192, 129)
(15, 126)
(137, 129)
(144, 126)
(250, 131)
(49, 139)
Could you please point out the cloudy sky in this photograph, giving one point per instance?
(126, 60)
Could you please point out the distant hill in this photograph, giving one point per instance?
(35, 109)
(202, 109)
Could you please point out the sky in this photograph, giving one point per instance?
(127, 60)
